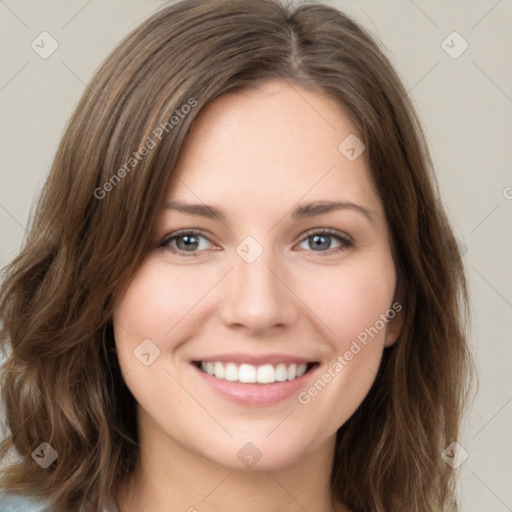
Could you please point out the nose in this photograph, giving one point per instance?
(258, 298)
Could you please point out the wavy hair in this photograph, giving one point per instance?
(61, 382)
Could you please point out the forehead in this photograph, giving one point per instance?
(273, 145)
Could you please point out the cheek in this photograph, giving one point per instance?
(351, 300)
(153, 307)
(358, 296)
(155, 302)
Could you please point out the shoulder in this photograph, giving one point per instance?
(16, 503)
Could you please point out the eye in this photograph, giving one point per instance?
(322, 241)
(189, 242)
(186, 242)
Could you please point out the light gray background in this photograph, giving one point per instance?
(466, 108)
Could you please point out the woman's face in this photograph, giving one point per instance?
(274, 280)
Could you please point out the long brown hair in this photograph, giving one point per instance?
(61, 382)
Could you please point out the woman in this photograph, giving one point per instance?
(240, 289)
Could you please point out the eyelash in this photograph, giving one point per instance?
(345, 241)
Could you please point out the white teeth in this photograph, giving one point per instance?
(248, 373)
(231, 372)
(292, 371)
(219, 370)
(301, 370)
(281, 373)
(266, 374)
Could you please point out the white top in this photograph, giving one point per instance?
(15, 503)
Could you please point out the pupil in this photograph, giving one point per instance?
(187, 242)
(320, 242)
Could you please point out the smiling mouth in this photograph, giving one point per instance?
(254, 374)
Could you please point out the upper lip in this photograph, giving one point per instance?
(254, 359)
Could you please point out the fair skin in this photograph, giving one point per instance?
(255, 155)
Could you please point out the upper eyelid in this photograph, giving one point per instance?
(182, 232)
(179, 232)
(327, 231)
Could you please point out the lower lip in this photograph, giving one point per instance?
(256, 394)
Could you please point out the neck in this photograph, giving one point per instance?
(170, 477)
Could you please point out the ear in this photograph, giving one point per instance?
(395, 324)
(396, 315)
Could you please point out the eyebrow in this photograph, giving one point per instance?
(301, 211)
